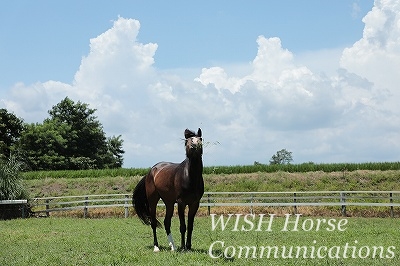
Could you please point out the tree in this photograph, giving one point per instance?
(72, 138)
(281, 157)
(86, 140)
(44, 145)
(11, 128)
(114, 152)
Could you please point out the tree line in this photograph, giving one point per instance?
(71, 138)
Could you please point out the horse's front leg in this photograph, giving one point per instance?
(191, 214)
(181, 213)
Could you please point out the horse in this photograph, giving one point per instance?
(180, 183)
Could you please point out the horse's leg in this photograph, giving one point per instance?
(192, 212)
(181, 212)
(167, 224)
(152, 206)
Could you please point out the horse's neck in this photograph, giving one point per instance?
(194, 168)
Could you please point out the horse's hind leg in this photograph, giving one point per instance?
(154, 226)
(153, 200)
(167, 224)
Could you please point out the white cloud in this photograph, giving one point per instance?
(117, 47)
(280, 101)
(355, 10)
(322, 62)
(218, 77)
(376, 55)
(376, 58)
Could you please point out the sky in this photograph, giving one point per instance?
(317, 78)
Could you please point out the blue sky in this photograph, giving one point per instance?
(43, 40)
(315, 77)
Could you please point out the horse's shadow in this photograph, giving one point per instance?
(193, 250)
(181, 250)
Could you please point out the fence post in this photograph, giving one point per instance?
(23, 210)
(85, 209)
(343, 200)
(47, 208)
(209, 206)
(126, 206)
(251, 205)
(391, 207)
(294, 206)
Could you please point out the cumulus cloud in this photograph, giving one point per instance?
(377, 54)
(278, 94)
(116, 59)
(278, 102)
(376, 58)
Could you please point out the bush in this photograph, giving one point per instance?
(11, 188)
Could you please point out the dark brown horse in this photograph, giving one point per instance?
(180, 183)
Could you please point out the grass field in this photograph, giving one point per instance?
(259, 181)
(234, 169)
(119, 241)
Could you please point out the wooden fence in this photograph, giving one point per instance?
(341, 199)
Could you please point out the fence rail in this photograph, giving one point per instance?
(342, 199)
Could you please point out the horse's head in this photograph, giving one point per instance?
(193, 143)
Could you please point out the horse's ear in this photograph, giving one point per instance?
(199, 133)
(188, 134)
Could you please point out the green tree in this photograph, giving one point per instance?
(86, 140)
(281, 157)
(72, 138)
(11, 128)
(44, 146)
(114, 152)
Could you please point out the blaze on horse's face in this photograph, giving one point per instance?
(193, 143)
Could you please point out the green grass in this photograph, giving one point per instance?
(53, 187)
(68, 241)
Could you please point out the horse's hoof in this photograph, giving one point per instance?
(171, 242)
(173, 248)
(156, 249)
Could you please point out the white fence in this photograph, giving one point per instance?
(341, 199)
(69, 203)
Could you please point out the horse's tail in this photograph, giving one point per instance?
(141, 204)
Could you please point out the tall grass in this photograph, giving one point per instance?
(302, 168)
(236, 169)
(11, 186)
(92, 173)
